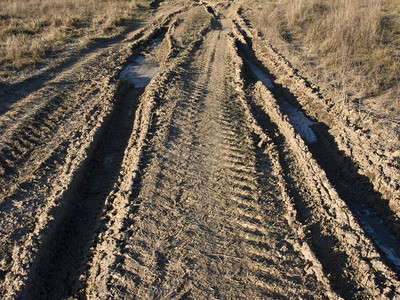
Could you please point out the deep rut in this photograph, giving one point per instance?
(51, 160)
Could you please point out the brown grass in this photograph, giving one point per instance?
(32, 29)
(352, 44)
(190, 25)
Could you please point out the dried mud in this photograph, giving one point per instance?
(195, 186)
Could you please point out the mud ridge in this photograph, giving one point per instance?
(317, 231)
(198, 185)
(198, 226)
(79, 223)
(65, 250)
(269, 144)
(122, 203)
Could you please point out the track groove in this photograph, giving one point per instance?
(45, 140)
(194, 187)
(77, 229)
(192, 181)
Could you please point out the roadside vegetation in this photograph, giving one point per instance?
(190, 25)
(31, 30)
(351, 47)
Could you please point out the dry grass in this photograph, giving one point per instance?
(190, 25)
(352, 44)
(32, 29)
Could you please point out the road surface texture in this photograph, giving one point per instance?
(208, 183)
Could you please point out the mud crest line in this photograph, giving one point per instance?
(194, 187)
(61, 258)
(269, 164)
(122, 203)
(318, 208)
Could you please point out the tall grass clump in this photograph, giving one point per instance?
(31, 29)
(354, 43)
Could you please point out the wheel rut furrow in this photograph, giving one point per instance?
(202, 227)
(316, 202)
(255, 238)
(31, 149)
(77, 228)
(196, 186)
(53, 173)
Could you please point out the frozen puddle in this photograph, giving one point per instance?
(143, 69)
(299, 121)
(369, 220)
(379, 232)
(140, 72)
(257, 71)
(156, 43)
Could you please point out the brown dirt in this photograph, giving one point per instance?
(196, 186)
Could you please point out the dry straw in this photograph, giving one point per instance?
(353, 44)
(32, 29)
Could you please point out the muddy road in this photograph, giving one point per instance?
(199, 173)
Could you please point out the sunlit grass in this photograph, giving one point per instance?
(353, 44)
(30, 30)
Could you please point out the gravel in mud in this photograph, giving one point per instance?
(196, 186)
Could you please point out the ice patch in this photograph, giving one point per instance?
(143, 69)
(257, 71)
(140, 72)
(300, 122)
(369, 220)
(156, 43)
(383, 238)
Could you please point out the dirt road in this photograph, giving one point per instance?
(198, 186)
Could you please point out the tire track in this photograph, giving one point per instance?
(319, 209)
(51, 153)
(203, 227)
(266, 242)
(353, 157)
(320, 215)
(194, 187)
(62, 256)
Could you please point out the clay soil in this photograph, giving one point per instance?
(196, 186)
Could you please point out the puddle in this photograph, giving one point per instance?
(143, 69)
(140, 72)
(257, 71)
(296, 117)
(156, 43)
(379, 232)
(300, 122)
